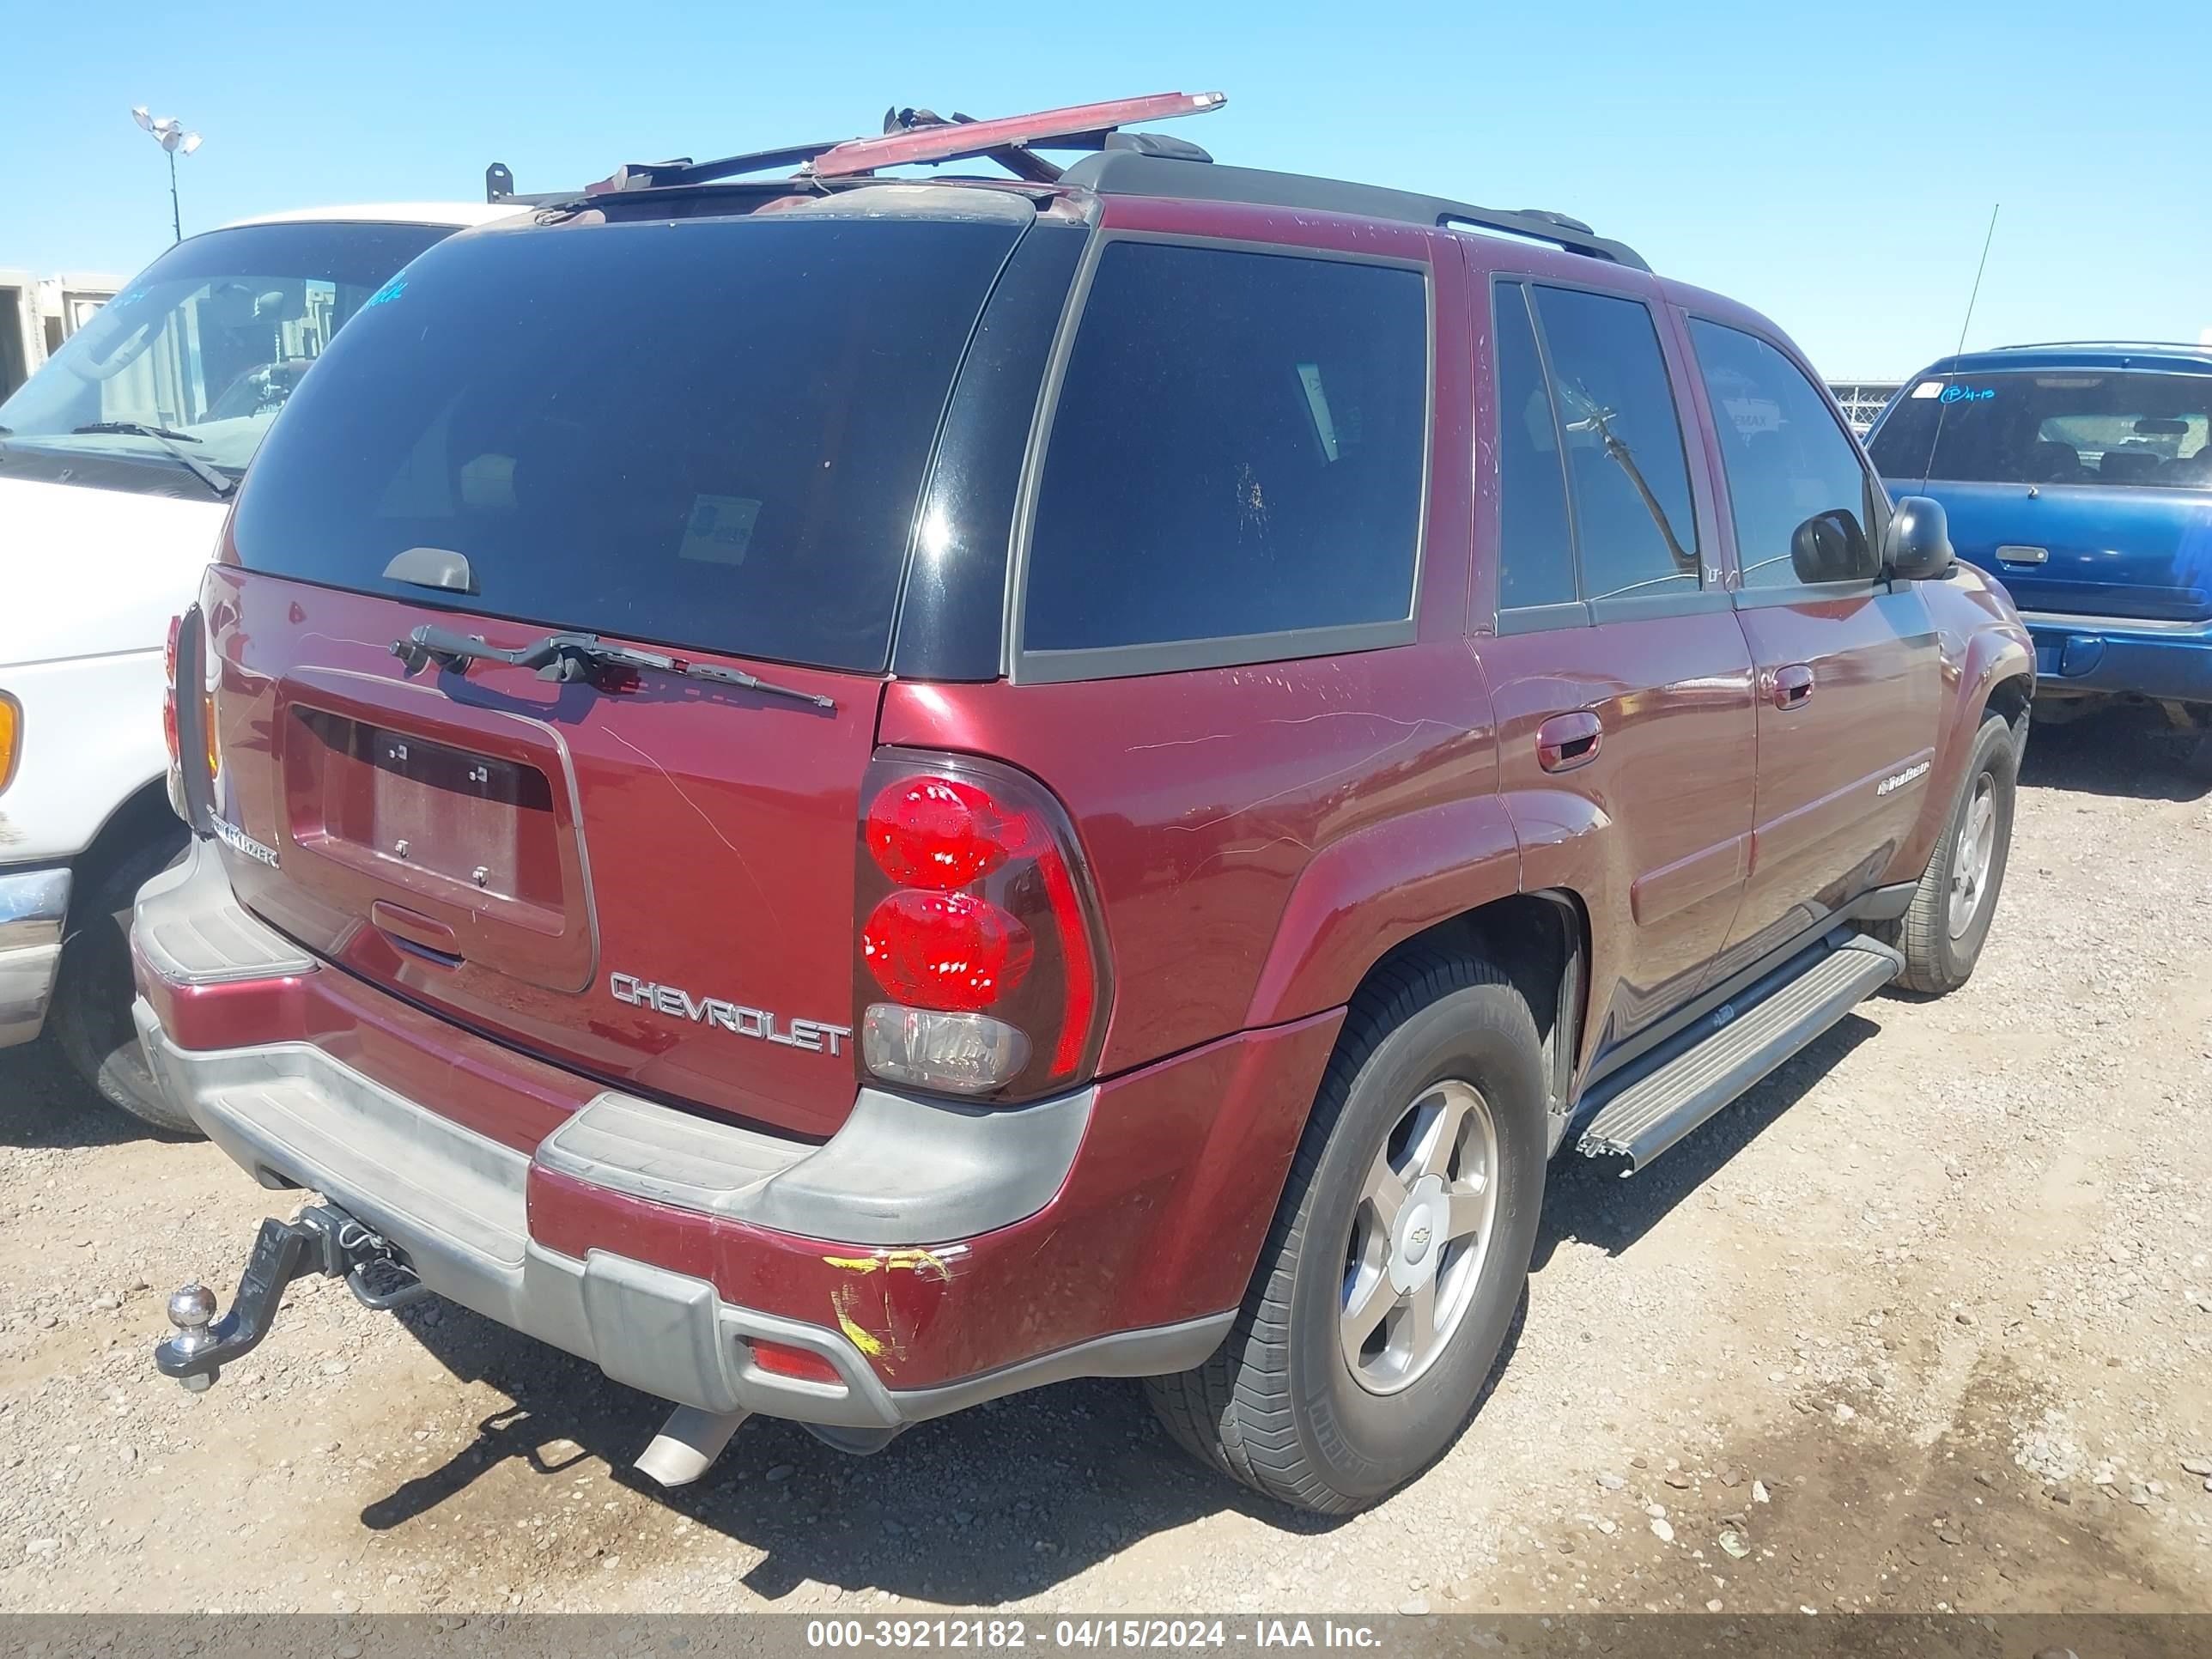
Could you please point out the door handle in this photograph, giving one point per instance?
(1792, 687)
(1566, 741)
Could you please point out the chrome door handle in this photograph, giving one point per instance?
(1791, 687)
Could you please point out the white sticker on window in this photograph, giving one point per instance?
(1929, 389)
(720, 529)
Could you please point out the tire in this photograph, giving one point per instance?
(1279, 1406)
(1941, 949)
(90, 1020)
(2199, 763)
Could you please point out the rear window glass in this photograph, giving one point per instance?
(709, 434)
(2050, 427)
(1631, 480)
(1236, 450)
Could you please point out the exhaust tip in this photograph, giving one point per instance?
(687, 1445)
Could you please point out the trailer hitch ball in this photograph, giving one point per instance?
(192, 1310)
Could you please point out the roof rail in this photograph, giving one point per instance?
(2046, 345)
(1131, 173)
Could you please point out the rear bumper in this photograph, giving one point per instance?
(33, 905)
(2167, 661)
(935, 1256)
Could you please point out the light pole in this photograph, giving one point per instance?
(169, 133)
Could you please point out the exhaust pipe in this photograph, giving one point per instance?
(688, 1444)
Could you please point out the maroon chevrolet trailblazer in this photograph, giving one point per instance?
(1084, 773)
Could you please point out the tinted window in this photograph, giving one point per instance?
(708, 435)
(1788, 462)
(2052, 426)
(1236, 450)
(1631, 484)
(1536, 545)
(209, 340)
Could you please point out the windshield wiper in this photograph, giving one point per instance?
(569, 657)
(162, 435)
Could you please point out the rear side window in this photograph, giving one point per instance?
(1536, 542)
(1796, 487)
(1633, 518)
(1237, 449)
(2055, 426)
(710, 433)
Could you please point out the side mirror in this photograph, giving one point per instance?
(1917, 547)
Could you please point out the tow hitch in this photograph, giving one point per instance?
(324, 1240)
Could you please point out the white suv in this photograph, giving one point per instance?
(117, 460)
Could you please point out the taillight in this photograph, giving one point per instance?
(207, 752)
(169, 692)
(981, 965)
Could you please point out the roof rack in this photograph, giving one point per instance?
(1126, 164)
(909, 136)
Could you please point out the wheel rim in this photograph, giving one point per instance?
(1972, 858)
(1419, 1236)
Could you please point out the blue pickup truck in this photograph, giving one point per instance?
(2080, 475)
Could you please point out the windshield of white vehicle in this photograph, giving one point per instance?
(205, 345)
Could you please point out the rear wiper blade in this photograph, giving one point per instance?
(568, 657)
(162, 435)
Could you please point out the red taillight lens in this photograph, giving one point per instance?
(169, 694)
(938, 832)
(951, 950)
(980, 966)
(784, 1361)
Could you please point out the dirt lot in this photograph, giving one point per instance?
(1925, 1322)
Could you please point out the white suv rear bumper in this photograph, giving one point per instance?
(33, 904)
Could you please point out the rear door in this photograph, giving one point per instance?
(643, 874)
(1850, 690)
(1621, 683)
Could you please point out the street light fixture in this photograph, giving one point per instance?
(169, 133)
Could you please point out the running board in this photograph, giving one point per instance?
(1724, 1054)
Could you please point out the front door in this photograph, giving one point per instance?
(1848, 668)
(1620, 681)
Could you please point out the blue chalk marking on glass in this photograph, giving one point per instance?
(390, 291)
(1955, 393)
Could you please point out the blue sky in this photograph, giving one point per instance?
(1833, 165)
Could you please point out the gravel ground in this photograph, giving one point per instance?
(1922, 1323)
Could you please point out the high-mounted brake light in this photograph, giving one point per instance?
(980, 969)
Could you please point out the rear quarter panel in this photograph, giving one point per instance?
(1260, 834)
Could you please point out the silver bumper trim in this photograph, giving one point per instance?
(453, 1203)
